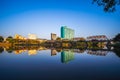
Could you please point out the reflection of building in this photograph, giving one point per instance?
(98, 37)
(32, 36)
(42, 48)
(67, 33)
(79, 50)
(79, 38)
(53, 52)
(32, 52)
(53, 36)
(67, 56)
(98, 52)
(19, 51)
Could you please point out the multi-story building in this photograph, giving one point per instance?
(32, 36)
(98, 37)
(79, 39)
(17, 36)
(53, 36)
(67, 33)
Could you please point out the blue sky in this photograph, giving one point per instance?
(42, 17)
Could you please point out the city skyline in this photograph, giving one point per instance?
(44, 17)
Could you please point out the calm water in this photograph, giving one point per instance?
(65, 65)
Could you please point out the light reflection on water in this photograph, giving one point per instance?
(59, 64)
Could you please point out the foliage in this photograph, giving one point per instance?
(117, 38)
(1, 39)
(117, 51)
(9, 39)
(58, 38)
(9, 50)
(108, 5)
(117, 45)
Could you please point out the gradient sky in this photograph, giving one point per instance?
(42, 17)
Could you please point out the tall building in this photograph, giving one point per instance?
(67, 33)
(53, 36)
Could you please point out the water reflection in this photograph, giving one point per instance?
(32, 62)
(67, 55)
(97, 52)
(1, 49)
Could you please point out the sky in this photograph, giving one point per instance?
(43, 17)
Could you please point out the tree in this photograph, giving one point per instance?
(58, 38)
(1, 39)
(117, 38)
(117, 51)
(9, 39)
(108, 5)
(10, 49)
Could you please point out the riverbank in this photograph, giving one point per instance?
(5, 44)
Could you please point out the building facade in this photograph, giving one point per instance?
(67, 33)
(53, 36)
(17, 36)
(32, 36)
(79, 39)
(98, 37)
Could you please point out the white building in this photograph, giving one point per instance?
(32, 36)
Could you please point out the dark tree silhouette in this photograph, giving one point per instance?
(108, 5)
(1, 49)
(1, 39)
(117, 51)
(10, 39)
(117, 38)
(58, 38)
(9, 50)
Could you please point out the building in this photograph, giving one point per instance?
(41, 40)
(17, 36)
(32, 36)
(67, 33)
(53, 36)
(98, 37)
(79, 39)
